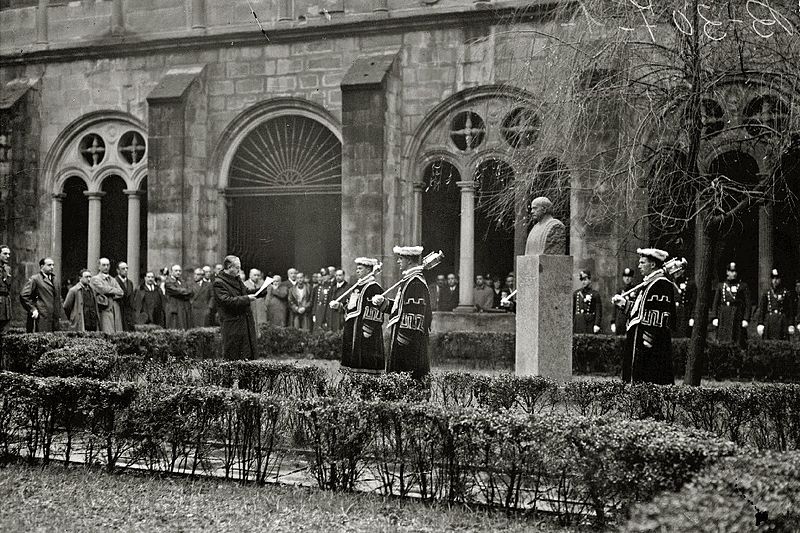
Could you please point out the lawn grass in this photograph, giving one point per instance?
(54, 498)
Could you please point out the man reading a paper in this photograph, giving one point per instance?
(233, 308)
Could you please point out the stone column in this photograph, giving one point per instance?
(466, 259)
(765, 247)
(117, 17)
(416, 220)
(224, 205)
(285, 10)
(55, 235)
(198, 8)
(41, 23)
(134, 233)
(93, 248)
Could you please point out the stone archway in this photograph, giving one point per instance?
(92, 148)
(280, 177)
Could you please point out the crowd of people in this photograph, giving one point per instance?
(489, 293)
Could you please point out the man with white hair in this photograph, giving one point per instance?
(258, 307)
(648, 342)
(179, 296)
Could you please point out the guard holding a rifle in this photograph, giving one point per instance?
(409, 313)
(648, 342)
(362, 339)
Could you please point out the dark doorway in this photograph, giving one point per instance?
(786, 218)
(74, 231)
(671, 204)
(740, 245)
(494, 219)
(275, 233)
(441, 214)
(114, 222)
(142, 232)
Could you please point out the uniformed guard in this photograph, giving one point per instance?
(620, 317)
(685, 298)
(775, 311)
(587, 309)
(731, 308)
(648, 341)
(409, 316)
(362, 339)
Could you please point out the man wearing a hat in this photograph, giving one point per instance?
(409, 316)
(620, 316)
(685, 298)
(730, 311)
(362, 339)
(775, 311)
(587, 309)
(648, 342)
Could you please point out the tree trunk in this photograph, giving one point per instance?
(695, 360)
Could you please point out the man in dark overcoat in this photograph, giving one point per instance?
(362, 339)
(339, 286)
(685, 298)
(201, 299)
(731, 309)
(236, 321)
(179, 296)
(775, 313)
(6, 311)
(126, 303)
(648, 342)
(41, 298)
(587, 309)
(409, 317)
(150, 302)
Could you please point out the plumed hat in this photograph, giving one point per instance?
(366, 261)
(409, 251)
(653, 253)
(585, 274)
(627, 272)
(732, 267)
(775, 273)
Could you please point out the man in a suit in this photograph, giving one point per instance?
(150, 302)
(448, 299)
(300, 303)
(108, 293)
(6, 312)
(127, 300)
(339, 286)
(81, 304)
(179, 296)
(41, 298)
(436, 290)
(201, 299)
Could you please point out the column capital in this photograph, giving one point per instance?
(132, 192)
(59, 196)
(467, 185)
(94, 195)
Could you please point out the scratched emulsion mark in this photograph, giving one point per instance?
(759, 17)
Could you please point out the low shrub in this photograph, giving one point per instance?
(753, 491)
(89, 358)
(473, 349)
(267, 377)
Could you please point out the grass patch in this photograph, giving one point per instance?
(78, 499)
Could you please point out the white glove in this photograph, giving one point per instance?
(691, 322)
(334, 305)
(715, 322)
(378, 299)
(760, 330)
(597, 329)
(744, 323)
(618, 300)
(613, 328)
(35, 313)
(791, 330)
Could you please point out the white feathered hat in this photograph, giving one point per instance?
(653, 253)
(413, 251)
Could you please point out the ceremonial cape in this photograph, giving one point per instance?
(648, 344)
(362, 341)
(410, 323)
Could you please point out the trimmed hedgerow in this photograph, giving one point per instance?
(578, 465)
(754, 491)
(268, 377)
(91, 358)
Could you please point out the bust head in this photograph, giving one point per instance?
(540, 208)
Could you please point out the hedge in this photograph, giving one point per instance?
(749, 492)
(577, 466)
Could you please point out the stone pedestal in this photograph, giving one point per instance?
(544, 316)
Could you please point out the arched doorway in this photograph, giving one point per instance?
(440, 212)
(740, 245)
(786, 219)
(284, 195)
(671, 203)
(494, 220)
(114, 221)
(74, 234)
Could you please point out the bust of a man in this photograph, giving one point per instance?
(548, 236)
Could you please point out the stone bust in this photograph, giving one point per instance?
(548, 235)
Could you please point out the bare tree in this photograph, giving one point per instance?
(629, 93)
